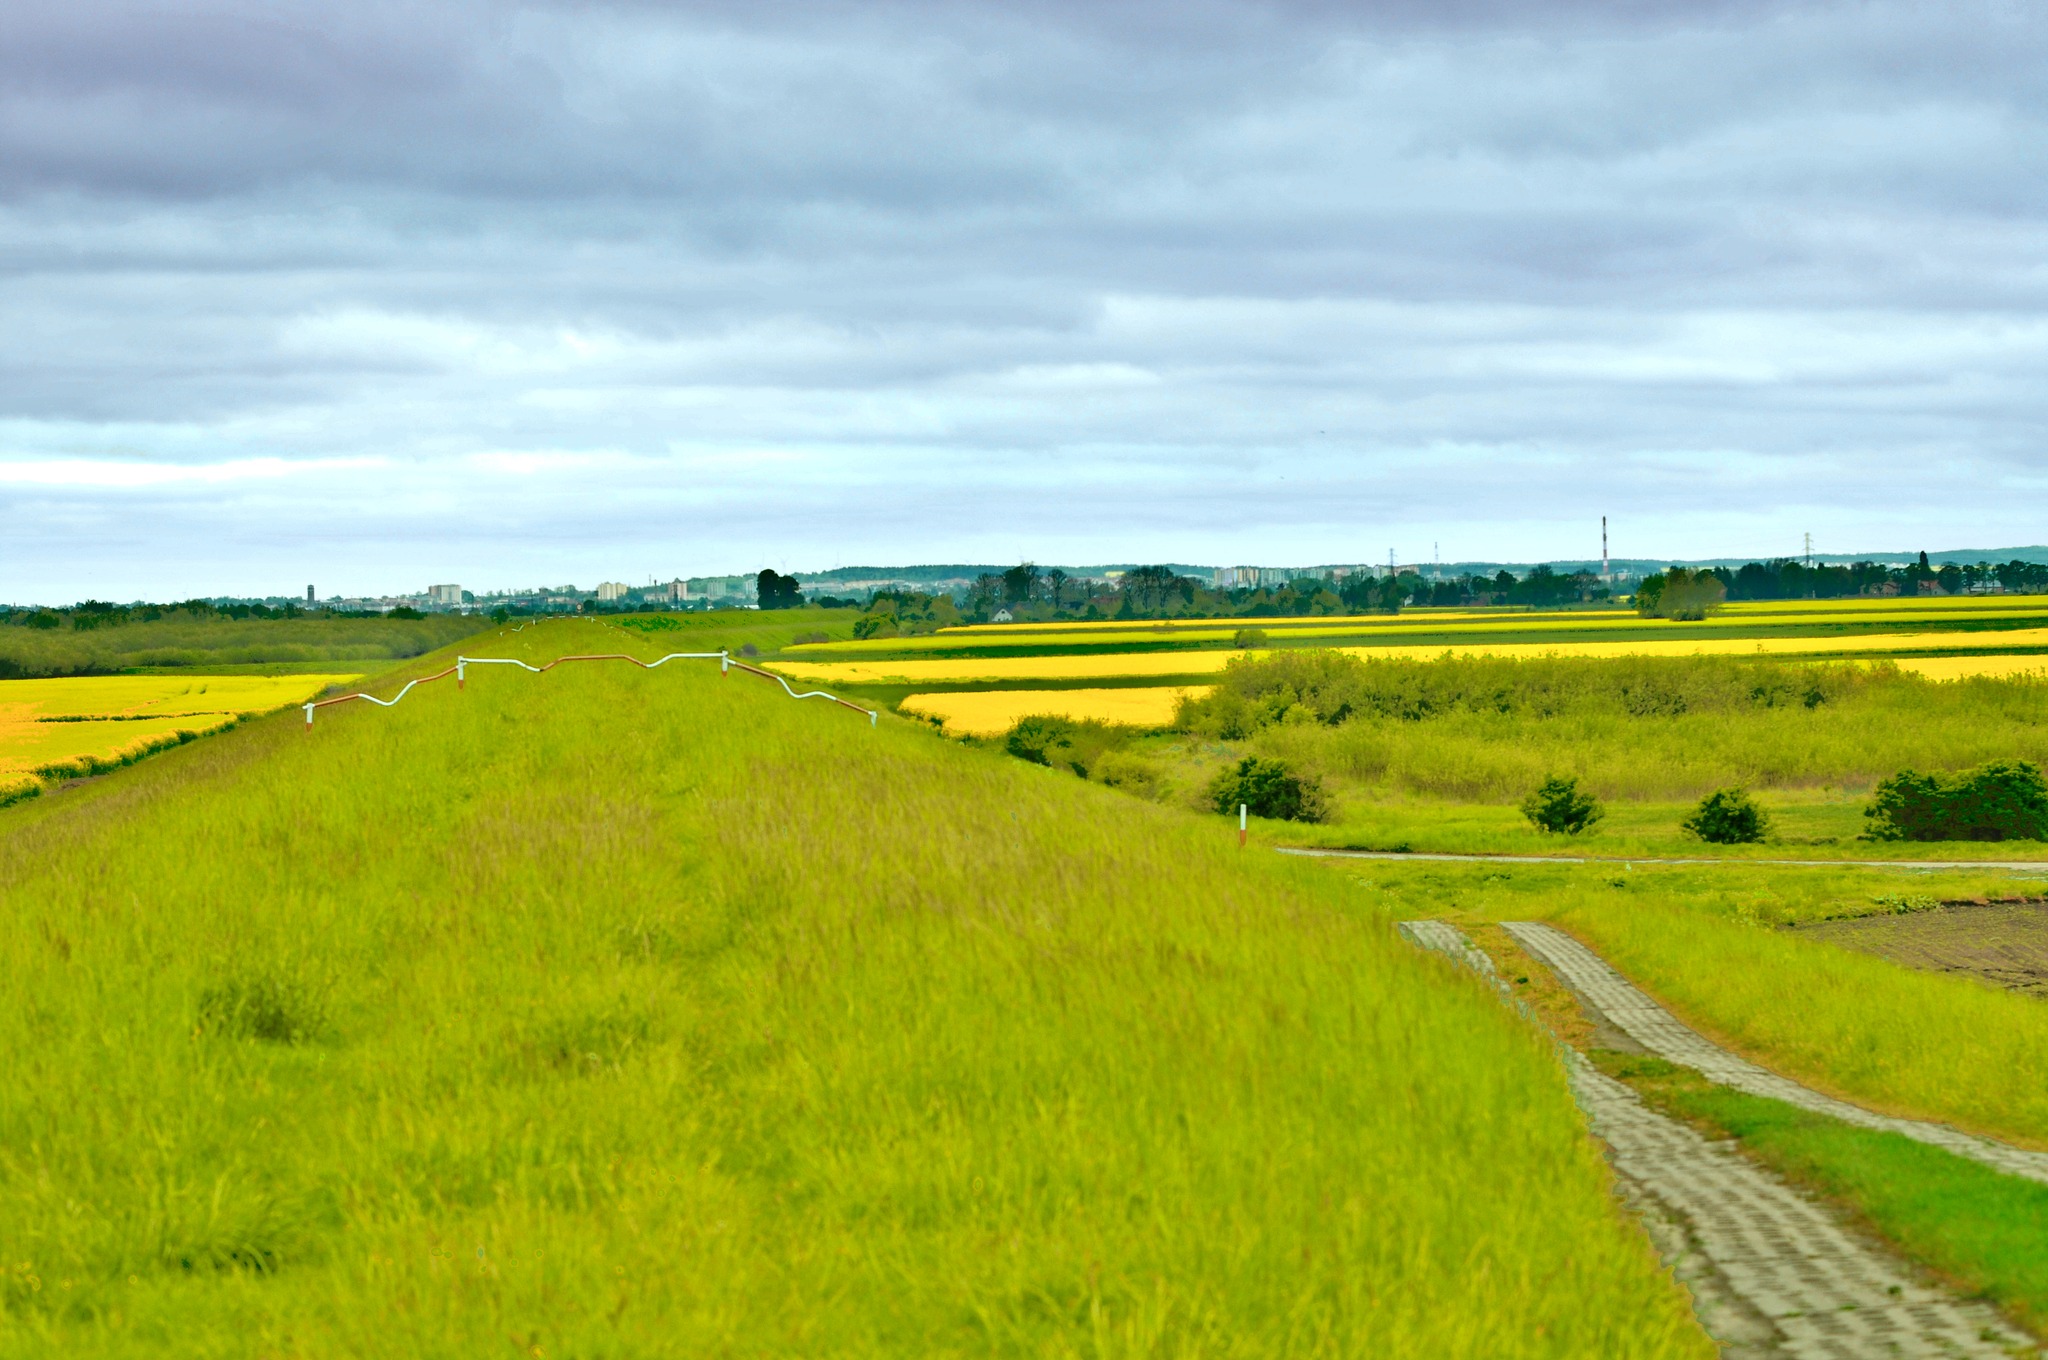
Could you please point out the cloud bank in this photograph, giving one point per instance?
(515, 293)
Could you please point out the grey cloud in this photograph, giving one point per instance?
(1235, 281)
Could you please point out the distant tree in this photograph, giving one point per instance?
(984, 595)
(1056, 586)
(1560, 807)
(776, 591)
(1679, 594)
(1728, 817)
(1020, 584)
(1146, 591)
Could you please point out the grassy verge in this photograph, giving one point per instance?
(1985, 1232)
(613, 1012)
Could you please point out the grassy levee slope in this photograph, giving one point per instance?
(616, 1013)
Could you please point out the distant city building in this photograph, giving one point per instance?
(612, 590)
(309, 594)
(445, 597)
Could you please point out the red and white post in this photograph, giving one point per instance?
(1240, 826)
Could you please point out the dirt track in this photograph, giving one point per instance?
(2004, 943)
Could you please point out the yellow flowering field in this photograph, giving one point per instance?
(989, 712)
(919, 671)
(1969, 667)
(1565, 625)
(46, 722)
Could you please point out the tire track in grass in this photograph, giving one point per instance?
(1772, 1272)
(1634, 1013)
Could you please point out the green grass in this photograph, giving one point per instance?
(1986, 1232)
(1819, 825)
(1632, 728)
(611, 1013)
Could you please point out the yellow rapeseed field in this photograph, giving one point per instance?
(126, 712)
(1563, 624)
(917, 671)
(1968, 667)
(989, 712)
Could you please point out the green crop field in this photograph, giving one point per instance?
(611, 1012)
(180, 641)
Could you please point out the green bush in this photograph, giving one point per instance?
(1268, 788)
(1249, 637)
(1062, 743)
(1728, 817)
(1997, 801)
(1560, 807)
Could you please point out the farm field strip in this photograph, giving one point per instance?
(917, 671)
(49, 722)
(1967, 667)
(986, 713)
(1636, 1014)
(1780, 1268)
(1012, 638)
(1850, 608)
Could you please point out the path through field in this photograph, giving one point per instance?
(2017, 865)
(1772, 1272)
(1631, 1010)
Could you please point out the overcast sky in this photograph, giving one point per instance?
(378, 294)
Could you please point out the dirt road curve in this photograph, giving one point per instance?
(1631, 1010)
(1772, 1273)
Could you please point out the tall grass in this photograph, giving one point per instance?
(610, 1012)
(1488, 730)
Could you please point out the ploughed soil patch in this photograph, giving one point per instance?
(2002, 942)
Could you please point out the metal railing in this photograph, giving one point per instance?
(460, 670)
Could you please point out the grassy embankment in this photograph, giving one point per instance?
(616, 1012)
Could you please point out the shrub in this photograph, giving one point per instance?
(1132, 773)
(806, 639)
(1062, 743)
(1728, 817)
(1998, 800)
(1268, 788)
(1560, 807)
(1249, 637)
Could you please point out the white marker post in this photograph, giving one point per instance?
(1240, 826)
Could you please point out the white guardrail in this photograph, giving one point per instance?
(460, 669)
